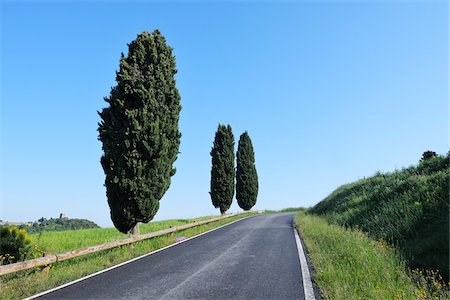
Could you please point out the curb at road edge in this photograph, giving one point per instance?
(306, 276)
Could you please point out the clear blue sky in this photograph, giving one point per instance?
(329, 92)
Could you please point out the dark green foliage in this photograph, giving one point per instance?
(139, 131)
(246, 176)
(15, 245)
(428, 154)
(222, 171)
(408, 208)
(58, 225)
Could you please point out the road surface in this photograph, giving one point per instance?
(256, 258)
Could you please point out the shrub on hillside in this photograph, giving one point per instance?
(15, 245)
(428, 154)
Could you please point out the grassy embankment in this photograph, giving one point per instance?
(369, 229)
(408, 208)
(26, 283)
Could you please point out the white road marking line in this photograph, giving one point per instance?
(306, 276)
(129, 261)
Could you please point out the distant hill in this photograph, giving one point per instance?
(407, 208)
(53, 224)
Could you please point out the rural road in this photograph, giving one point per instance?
(256, 258)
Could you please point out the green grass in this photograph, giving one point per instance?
(293, 209)
(61, 241)
(26, 283)
(407, 208)
(289, 209)
(348, 264)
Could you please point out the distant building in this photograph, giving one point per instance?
(62, 216)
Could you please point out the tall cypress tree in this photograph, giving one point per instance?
(222, 171)
(139, 131)
(246, 176)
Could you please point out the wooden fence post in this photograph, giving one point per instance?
(46, 268)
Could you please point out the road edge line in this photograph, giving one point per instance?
(306, 276)
(129, 261)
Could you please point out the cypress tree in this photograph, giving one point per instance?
(139, 131)
(222, 171)
(246, 176)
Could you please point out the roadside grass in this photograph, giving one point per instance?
(26, 283)
(348, 264)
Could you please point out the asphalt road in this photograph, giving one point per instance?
(255, 258)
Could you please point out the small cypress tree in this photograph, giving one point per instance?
(246, 176)
(222, 171)
(139, 131)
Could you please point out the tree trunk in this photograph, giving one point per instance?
(135, 230)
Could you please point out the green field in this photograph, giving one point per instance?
(25, 283)
(61, 241)
(348, 264)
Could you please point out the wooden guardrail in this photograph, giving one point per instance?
(50, 258)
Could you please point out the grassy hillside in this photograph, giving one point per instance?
(408, 208)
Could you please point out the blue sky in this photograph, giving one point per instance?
(329, 92)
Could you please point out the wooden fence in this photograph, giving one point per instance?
(50, 258)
